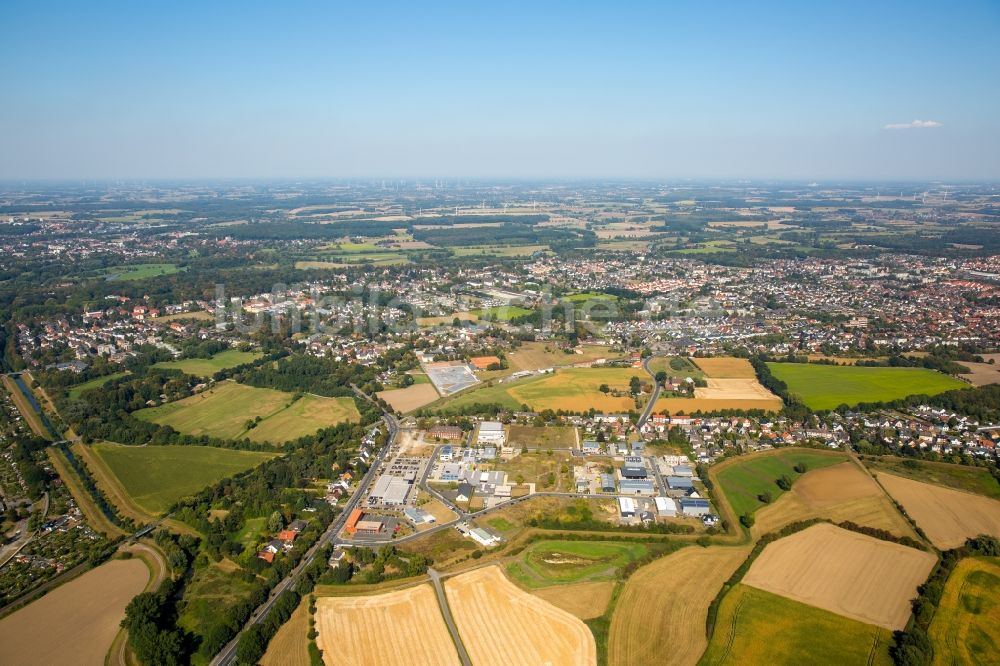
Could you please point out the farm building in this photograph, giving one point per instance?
(626, 506)
(666, 507)
(636, 486)
(694, 507)
(389, 490)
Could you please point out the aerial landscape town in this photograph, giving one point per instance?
(474, 335)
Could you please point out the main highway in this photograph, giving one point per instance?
(228, 654)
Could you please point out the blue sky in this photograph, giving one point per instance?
(659, 90)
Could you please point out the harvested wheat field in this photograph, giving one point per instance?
(947, 516)
(501, 624)
(981, 374)
(660, 615)
(290, 645)
(726, 367)
(840, 493)
(851, 574)
(582, 600)
(412, 397)
(399, 628)
(734, 389)
(76, 622)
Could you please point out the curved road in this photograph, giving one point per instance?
(656, 392)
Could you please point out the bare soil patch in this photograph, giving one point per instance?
(844, 572)
(412, 397)
(982, 373)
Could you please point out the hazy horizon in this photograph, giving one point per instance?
(772, 92)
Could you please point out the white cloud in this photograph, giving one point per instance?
(916, 124)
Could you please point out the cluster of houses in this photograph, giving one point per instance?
(282, 542)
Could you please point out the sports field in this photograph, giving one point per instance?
(745, 478)
(844, 572)
(548, 562)
(76, 622)
(397, 628)
(501, 624)
(966, 625)
(829, 386)
(223, 411)
(763, 629)
(839, 492)
(676, 590)
(947, 516)
(206, 367)
(157, 476)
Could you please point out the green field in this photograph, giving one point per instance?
(210, 593)
(157, 476)
(502, 312)
(757, 627)
(140, 271)
(223, 411)
(550, 562)
(749, 476)
(966, 626)
(77, 390)
(498, 250)
(206, 367)
(829, 386)
(571, 389)
(971, 479)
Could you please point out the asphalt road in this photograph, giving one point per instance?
(656, 392)
(228, 654)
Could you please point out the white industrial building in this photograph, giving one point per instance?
(665, 507)
(491, 432)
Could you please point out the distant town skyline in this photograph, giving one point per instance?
(897, 91)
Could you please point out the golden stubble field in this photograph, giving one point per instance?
(500, 624)
(840, 493)
(660, 615)
(76, 622)
(732, 384)
(582, 600)
(290, 645)
(726, 367)
(947, 516)
(394, 629)
(844, 572)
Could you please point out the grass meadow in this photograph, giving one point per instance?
(206, 367)
(747, 477)
(829, 386)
